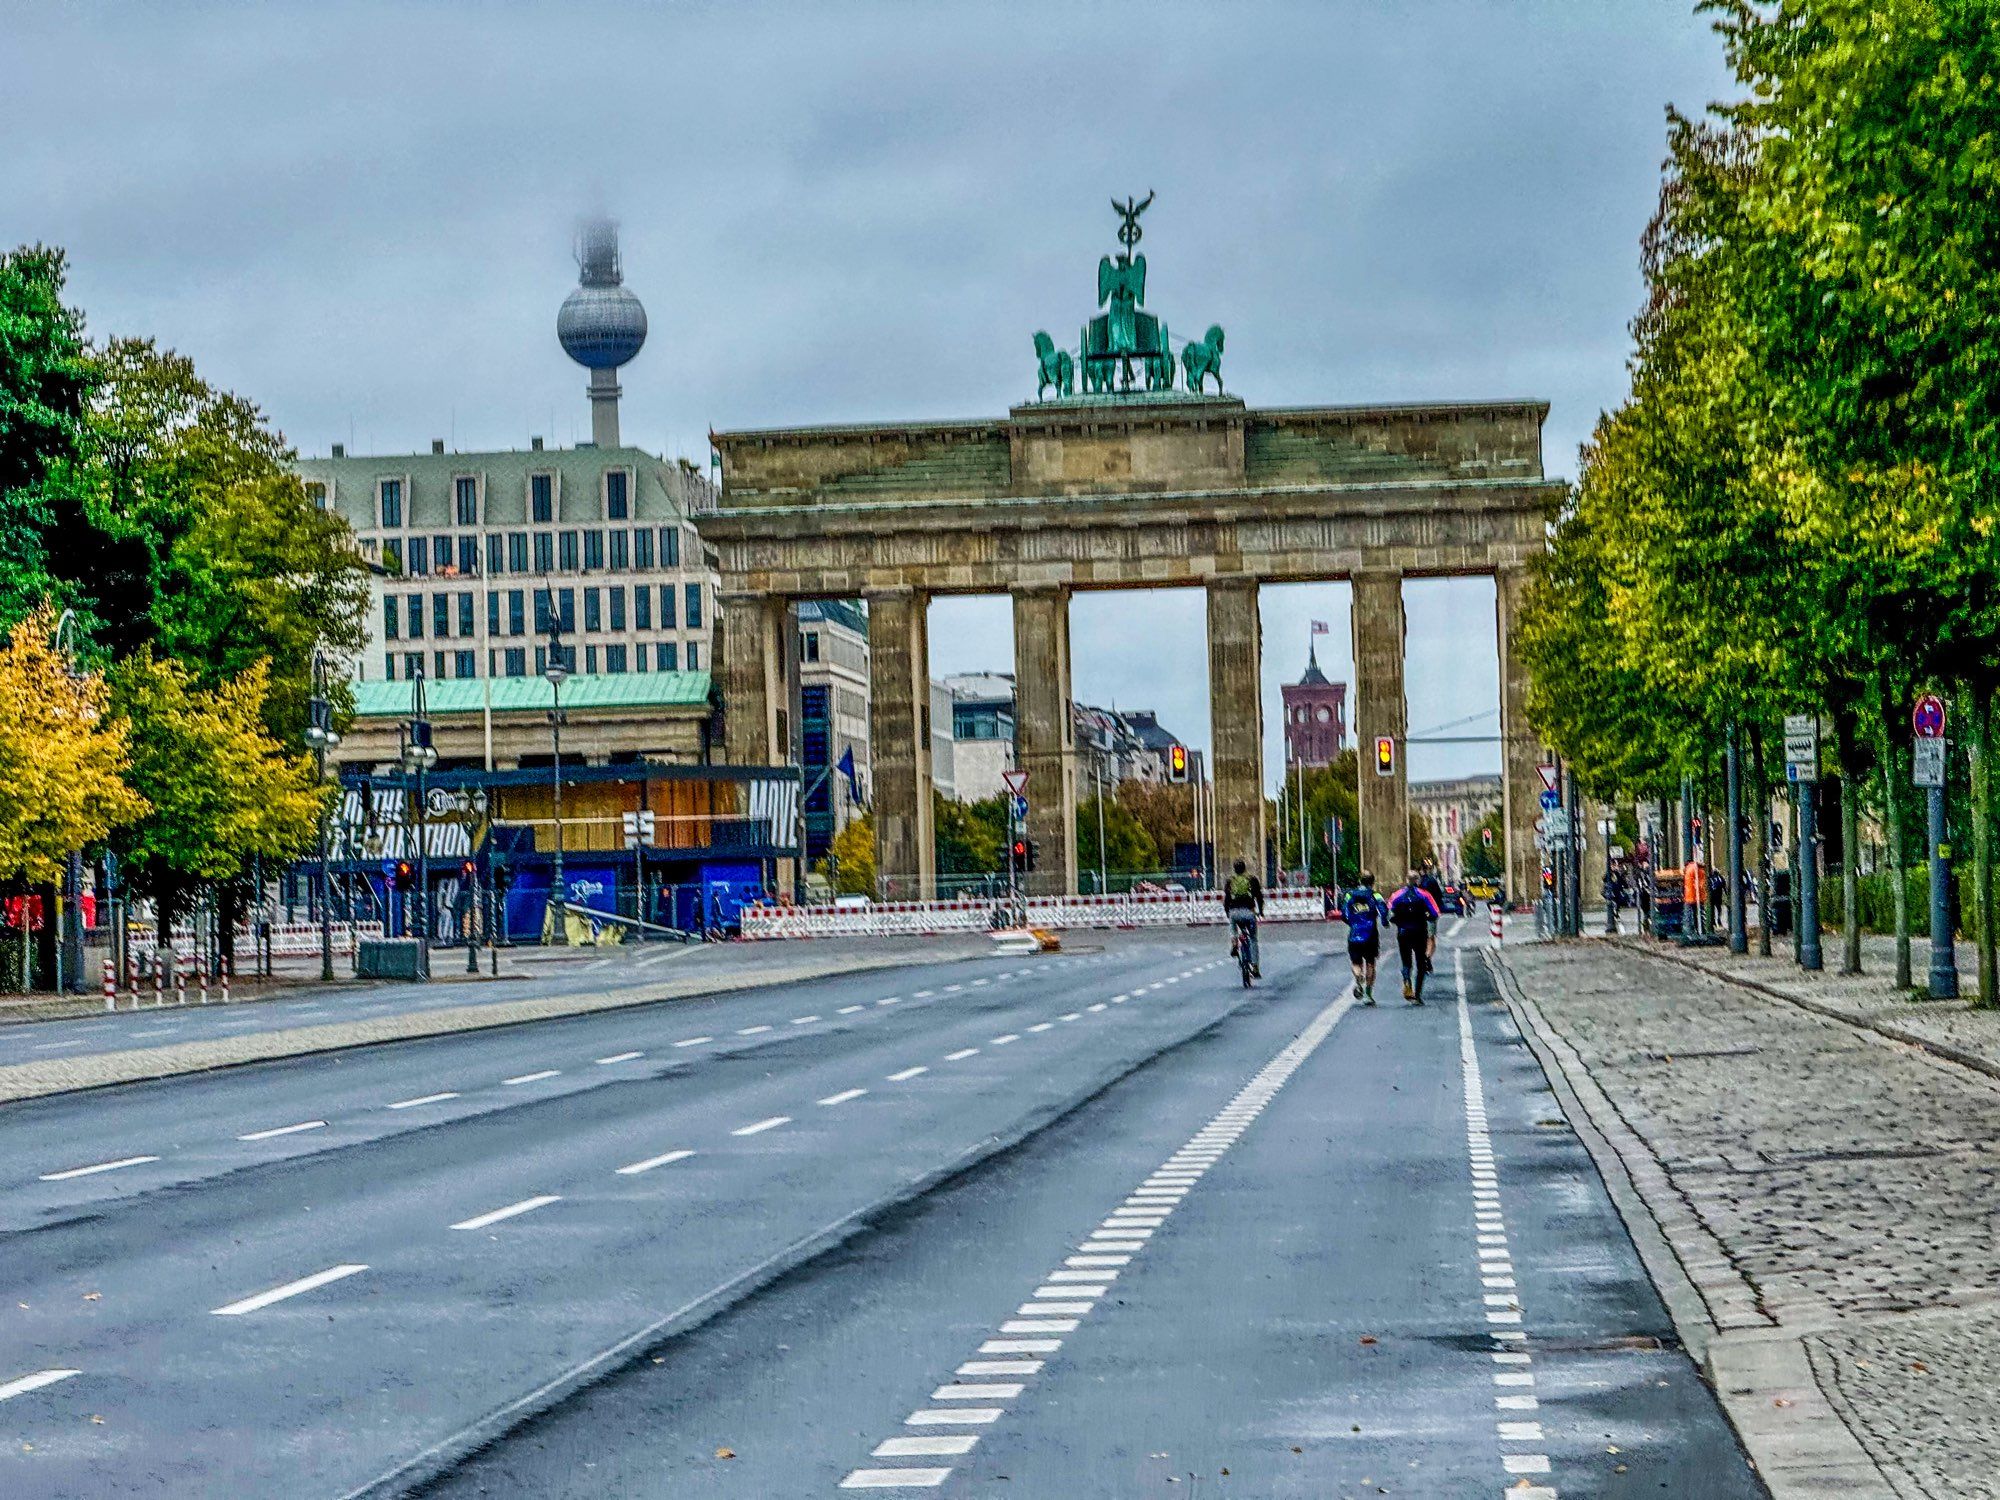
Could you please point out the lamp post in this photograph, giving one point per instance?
(320, 735)
(69, 949)
(557, 672)
(473, 910)
(419, 755)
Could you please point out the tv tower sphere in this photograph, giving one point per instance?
(601, 324)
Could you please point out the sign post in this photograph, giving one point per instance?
(1927, 722)
(1016, 783)
(1802, 770)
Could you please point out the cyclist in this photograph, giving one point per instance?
(1364, 914)
(1414, 915)
(1243, 903)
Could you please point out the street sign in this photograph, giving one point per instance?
(1551, 800)
(1016, 782)
(1020, 809)
(1801, 747)
(1927, 718)
(1549, 774)
(1929, 762)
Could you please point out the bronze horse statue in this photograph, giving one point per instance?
(1055, 367)
(1203, 359)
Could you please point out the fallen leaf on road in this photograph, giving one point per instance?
(1297, 1449)
(1367, 1338)
(97, 1421)
(93, 1296)
(1781, 1401)
(725, 1453)
(1618, 1469)
(1610, 1447)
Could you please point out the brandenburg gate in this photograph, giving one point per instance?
(1144, 479)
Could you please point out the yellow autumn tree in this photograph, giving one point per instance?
(62, 757)
(853, 852)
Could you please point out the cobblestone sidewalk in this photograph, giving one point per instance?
(1828, 1184)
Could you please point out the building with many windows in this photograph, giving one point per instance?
(1315, 717)
(480, 553)
(1454, 808)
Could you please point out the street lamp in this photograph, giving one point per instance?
(557, 672)
(69, 953)
(320, 735)
(419, 756)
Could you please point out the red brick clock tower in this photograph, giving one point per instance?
(1315, 717)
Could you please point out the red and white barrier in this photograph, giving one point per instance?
(1166, 908)
(1498, 921)
(110, 985)
(288, 939)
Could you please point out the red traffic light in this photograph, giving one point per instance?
(1020, 849)
(465, 870)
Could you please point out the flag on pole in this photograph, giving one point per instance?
(1319, 628)
(846, 769)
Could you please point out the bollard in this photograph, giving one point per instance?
(132, 976)
(1497, 923)
(180, 980)
(201, 974)
(224, 967)
(110, 985)
(159, 979)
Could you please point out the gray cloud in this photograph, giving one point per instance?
(359, 215)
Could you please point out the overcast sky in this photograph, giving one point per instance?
(359, 215)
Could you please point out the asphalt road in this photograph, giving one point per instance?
(1099, 1224)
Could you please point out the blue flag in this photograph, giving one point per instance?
(846, 768)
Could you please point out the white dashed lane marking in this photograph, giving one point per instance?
(619, 1057)
(95, 1168)
(512, 1210)
(651, 1162)
(423, 1099)
(289, 1289)
(265, 1135)
(530, 1077)
(35, 1382)
(693, 1041)
(907, 1074)
(843, 1096)
(763, 1125)
(1069, 1293)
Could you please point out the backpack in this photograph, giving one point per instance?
(1409, 905)
(1360, 912)
(1239, 888)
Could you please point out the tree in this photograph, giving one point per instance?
(1330, 794)
(47, 539)
(1476, 856)
(965, 844)
(220, 790)
(852, 858)
(62, 758)
(1163, 809)
(1127, 849)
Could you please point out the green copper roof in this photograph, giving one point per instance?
(391, 700)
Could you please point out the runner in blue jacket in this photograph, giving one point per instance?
(1364, 913)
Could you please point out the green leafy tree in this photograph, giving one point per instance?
(1479, 858)
(1164, 809)
(966, 844)
(48, 540)
(1127, 849)
(220, 790)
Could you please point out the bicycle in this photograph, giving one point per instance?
(1243, 947)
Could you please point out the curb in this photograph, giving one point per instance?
(1798, 1441)
(37, 1080)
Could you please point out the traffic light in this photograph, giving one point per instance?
(503, 875)
(465, 871)
(406, 875)
(1034, 853)
(1385, 755)
(1177, 763)
(1021, 853)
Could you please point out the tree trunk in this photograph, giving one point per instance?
(1850, 839)
(1761, 795)
(1981, 696)
(229, 899)
(1892, 816)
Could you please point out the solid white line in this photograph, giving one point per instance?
(426, 1099)
(906, 1074)
(618, 1057)
(289, 1289)
(265, 1135)
(103, 1166)
(693, 1041)
(58, 1046)
(961, 1054)
(525, 1206)
(653, 1161)
(508, 1083)
(762, 1125)
(34, 1382)
(843, 1096)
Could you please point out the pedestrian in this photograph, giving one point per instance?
(1414, 915)
(1364, 913)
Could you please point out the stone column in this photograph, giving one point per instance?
(1520, 751)
(1045, 735)
(1236, 723)
(753, 678)
(1381, 709)
(899, 751)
